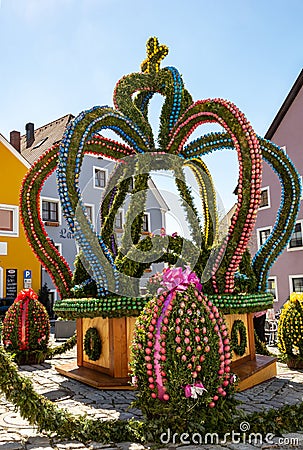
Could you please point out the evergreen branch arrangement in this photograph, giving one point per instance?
(111, 265)
(62, 348)
(48, 417)
(181, 351)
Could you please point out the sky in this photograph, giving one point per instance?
(65, 56)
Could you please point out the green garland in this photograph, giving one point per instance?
(105, 307)
(92, 344)
(41, 412)
(238, 328)
(75, 308)
(27, 357)
(63, 348)
(46, 416)
(208, 199)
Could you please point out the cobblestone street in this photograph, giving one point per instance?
(16, 433)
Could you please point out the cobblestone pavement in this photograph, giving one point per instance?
(16, 433)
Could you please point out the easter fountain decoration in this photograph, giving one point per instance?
(196, 332)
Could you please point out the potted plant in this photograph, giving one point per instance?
(64, 328)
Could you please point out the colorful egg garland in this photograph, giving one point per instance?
(180, 116)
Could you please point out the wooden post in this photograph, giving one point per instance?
(118, 347)
(79, 328)
(251, 335)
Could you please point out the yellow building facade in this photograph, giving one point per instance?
(19, 267)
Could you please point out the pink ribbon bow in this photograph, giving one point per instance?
(178, 279)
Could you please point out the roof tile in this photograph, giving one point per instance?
(45, 137)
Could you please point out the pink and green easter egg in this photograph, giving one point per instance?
(181, 352)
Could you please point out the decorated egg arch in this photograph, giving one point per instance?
(114, 270)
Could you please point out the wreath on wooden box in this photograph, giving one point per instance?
(238, 329)
(92, 344)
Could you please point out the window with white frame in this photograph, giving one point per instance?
(119, 220)
(296, 240)
(146, 224)
(272, 287)
(9, 220)
(265, 199)
(6, 220)
(296, 283)
(89, 209)
(50, 210)
(262, 235)
(100, 176)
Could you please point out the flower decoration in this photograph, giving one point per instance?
(193, 390)
(162, 232)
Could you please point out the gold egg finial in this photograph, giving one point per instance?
(155, 54)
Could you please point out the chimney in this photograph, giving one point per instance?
(15, 139)
(30, 134)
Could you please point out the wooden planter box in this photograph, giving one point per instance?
(111, 370)
(116, 336)
(250, 368)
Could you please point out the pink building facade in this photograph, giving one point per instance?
(286, 130)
